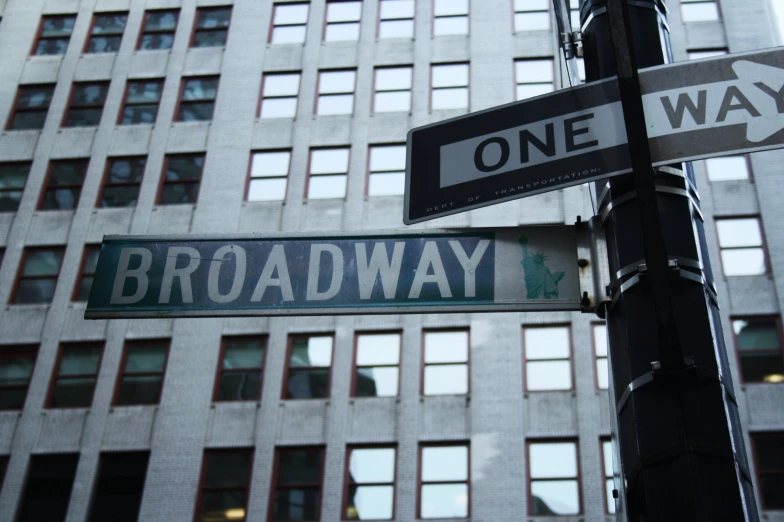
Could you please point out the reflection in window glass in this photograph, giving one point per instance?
(328, 173)
(552, 469)
(38, 275)
(600, 345)
(279, 95)
(141, 375)
(450, 17)
(107, 32)
(54, 34)
(310, 359)
(141, 102)
(336, 92)
(740, 242)
(75, 377)
(298, 484)
(158, 30)
(86, 105)
(377, 360)
(212, 27)
(387, 170)
(759, 345)
(13, 178)
(727, 168)
(548, 358)
(699, 10)
(63, 185)
(182, 177)
(289, 23)
(198, 99)
(123, 181)
(370, 491)
(392, 89)
(396, 19)
(342, 21)
(16, 367)
(533, 78)
(225, 485)
(531, 15)
(444, 481)
(32, 105)
(268, 175)
(241, 369)
(449, 86)
(446, 363)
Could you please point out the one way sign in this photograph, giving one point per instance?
(694, 110)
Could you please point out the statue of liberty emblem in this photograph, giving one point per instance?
(539, 281)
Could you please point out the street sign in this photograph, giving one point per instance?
(698, 109)
(478, 270)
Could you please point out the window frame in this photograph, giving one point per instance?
(749, 169)
(376, 91)
(203, 475)
(326, 23)
(425, 331)
(279, 450)
(596, 357)
(178, 105)
(380, 20)
(29, 165)
(56, 372)
(105, 180)
(88, 248)
(143, 30)
(250, 178)
(346, 464)
(287, 366)
(529, 480)
(39, 35)
(515, 12)
(310, 162)
(369, 172)
(221, 354)
(197, 18)
(318, 92)
(763, 243)
(568, 327)
(355, 367)
(264, 76)
(758, 473)
(602, 440)
(756, 319)
(71, 105)
(162, 182)
(433, 18)
(420, 482)
(272, 25)
(719, 14)
(550, 59)
(125, 103)
(88, 39)
(121, 370)
(431, 88)
(22, 261)
(45, 186)
(9, 351)
(15, 107)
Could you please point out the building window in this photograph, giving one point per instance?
(532, 15)
(698, 54)
(279, 95)
(370, 483)
(581, 69)
(53, 35)
(387, 175)
(547, 358)
(38, 274)
(47, 489)
(289, 23)
(336, 92)
(13, 178)
(212, 27)
(241, 369)
(87, 273)
(533, 77)
(31, 107)
(450, 17)
(600, 349)
(269, 172)
(106, 33)
(63, 185)
(141, 102)
(309, 367)
(769, 455)
(225, 485)
(741, 245)
(699, 10)
(449, 86)
(141, 373)
(392, 91)
(181, 179)
(158, 30)
(443, 481)
(727, 168)
(328, 173)
(342, 21)
(758, 341)
(122, 182)
(75, 375)
(119, 486)
(553, 478)
(297, 484)
(574, 14)
(377, 365)
(16, 368)
(396, 19)
(86, 105)
(609, 485)
(445, 363)
(197, 99)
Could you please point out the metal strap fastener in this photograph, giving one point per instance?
(656, 5)
(688, 192)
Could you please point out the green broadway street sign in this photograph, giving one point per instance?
(478, 270)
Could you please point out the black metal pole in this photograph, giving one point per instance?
(682, 450)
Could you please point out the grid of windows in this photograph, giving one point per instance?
(759, 344)
(328, 173)
(443, 479)
(181, 179)
(140, 380)
(47, 489)
(342, 21)
(158, 30)
(106, 33)
(531, 15)
(377, 365)
(741, 245)
(241, 369)
(554, 486)
(122, 182)
(547, 358)
(450, 17)
(533, 77)
(449, 86)
(269, 172)
(396, 19)
(728, 168)
(16, 368)
(63, 185)
(392, 89)
(37, 277)
(87, 273)
(289, 23)
(387, 166)
(370, 483)
(225, 485)
(607, 469)
(119, 486)
(212, 27)
(86, 104)
(13, 178)
(75, 375)
(699, 10)
(54, 35)
(309, 367)
(600, 348)
(769, 457)
(31, 107)
(140, 105)
(279, 95)
(197, 99)
(336, 92)
(445, 363)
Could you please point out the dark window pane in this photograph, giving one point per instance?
(72, 393)
(139, 389)
(90, 94)
(9, 200)
(756, 335)
(179, 193)
(214, 18)
(308, 384)
(134, 114)
(14, 175)
(756, 367)
(161, 21)
(67, 174)
(184, 168)
(89, 117)
(121, 196)
(772, 491)
(15, 371)
(42, 262)
(80, 360)
(12, 398)
(296, 504)
(214, 38)
(244, 386)
(201, 89)
(146, 358)
(141, 92)
(228, 469)
(220, 506)
(299, 467)
(35, 291)
(31, 97)
(48, 488)
(196, 111)
(128, 170)
(770, 453)
(151, 42)
(84, 289)
(119, 487)
(104, 44)
(92, 260)
(51, 46)
(243, 353)
(58, 26)
(61, 199)
(112, 23)
(29, 120)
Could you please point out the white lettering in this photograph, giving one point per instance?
(275, 261)
(430, 257)
(215, 268)
(170, 271)
(379, 263)
(314, 269)
(469, 264)
(123, 273)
